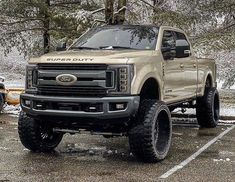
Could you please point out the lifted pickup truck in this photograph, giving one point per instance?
(118, 81)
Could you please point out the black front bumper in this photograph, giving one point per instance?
(99, 108)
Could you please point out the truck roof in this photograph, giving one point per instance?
(147, 25)
(131, 26)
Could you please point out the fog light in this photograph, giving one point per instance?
(27, 103)
(92, 108)
(39, 106)
(120, 106)
(117, 106)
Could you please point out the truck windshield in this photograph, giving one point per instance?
(119, 37)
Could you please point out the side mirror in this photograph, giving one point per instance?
(182, 49)
(61, 46)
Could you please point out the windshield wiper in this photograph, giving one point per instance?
(114, 47)
(80, 48)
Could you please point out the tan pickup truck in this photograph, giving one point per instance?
(118, 81)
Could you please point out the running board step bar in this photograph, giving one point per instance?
(58, 130)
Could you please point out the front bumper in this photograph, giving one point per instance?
(99, 108)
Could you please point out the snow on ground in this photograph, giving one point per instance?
(227, 121)
(15, 83)
(12, 110)
(227, 111)
(220, 84)
(12, 67)
(224, 111)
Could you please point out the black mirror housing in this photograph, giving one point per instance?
(183, 51)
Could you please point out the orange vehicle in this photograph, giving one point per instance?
(13, 95)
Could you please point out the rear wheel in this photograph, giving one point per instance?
(36, 135)
(208, 109)
(150, 139)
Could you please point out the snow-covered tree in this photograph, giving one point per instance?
(21, 20)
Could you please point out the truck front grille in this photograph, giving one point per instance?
(92, 80)
(72, 67)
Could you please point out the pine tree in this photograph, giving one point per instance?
(20, 20)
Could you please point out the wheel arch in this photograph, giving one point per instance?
(150, 89)
(211, 82)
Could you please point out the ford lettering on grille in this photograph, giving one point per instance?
(66, 79)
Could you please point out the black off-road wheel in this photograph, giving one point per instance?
(208, 109)
(36, 135)
(150, 139)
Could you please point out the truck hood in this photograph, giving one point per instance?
(91, 56)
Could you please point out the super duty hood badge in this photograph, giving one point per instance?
(66, 79)
(70, 59)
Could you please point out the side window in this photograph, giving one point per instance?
(168, 45)
(182, 45)
(168, 39)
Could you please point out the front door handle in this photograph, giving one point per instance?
(181, 66)
(194, 65)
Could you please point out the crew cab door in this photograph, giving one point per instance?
(188, 63)
(173, 71)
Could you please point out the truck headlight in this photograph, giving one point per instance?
(123, 79)
(31, 80)
(125, 74)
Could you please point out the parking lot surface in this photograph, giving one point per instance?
(95, 158)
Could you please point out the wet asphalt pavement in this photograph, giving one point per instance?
(95, 158)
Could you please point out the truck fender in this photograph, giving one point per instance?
(208, 75)
(147, 77)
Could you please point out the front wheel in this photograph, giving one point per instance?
(208, 109)
(150, 139)
(36, 135)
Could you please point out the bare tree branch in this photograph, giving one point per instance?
(66, 3)
(121, 9)
(152, 6)
(97, 11)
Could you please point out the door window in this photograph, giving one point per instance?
(168, 45)
(182, 45)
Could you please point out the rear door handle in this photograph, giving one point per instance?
(194, 65)
(181, 66)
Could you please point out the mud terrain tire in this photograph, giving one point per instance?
(35, 136)
(208, 109)
(150, 139)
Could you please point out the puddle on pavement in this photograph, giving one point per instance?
(80, 150)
